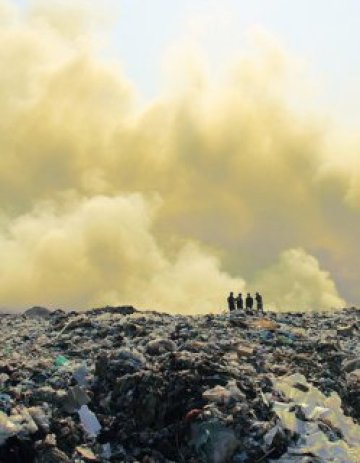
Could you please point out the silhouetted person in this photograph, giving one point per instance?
(259, 302)
(249, 302)
(239, 302)
(231, 302)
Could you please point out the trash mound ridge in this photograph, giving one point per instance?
(115, 384)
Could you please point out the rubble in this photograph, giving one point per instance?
(37, 312)
(120, 385)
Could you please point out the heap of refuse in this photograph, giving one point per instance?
(119, 385)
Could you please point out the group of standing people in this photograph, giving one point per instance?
(237, 303)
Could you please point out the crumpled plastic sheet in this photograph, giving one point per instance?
(317, 408)
(89, 421)
(215, 442)
(81, 375)
(106, 451)
(298, 459)
(223, 395)
(290, 422)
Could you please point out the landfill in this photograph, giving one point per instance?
(116, 384)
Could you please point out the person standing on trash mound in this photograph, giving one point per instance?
(231, 302)
(239, 302)
(259, 302)
(249, 302)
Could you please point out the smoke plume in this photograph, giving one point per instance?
(212, 187)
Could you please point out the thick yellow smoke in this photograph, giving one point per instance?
(211, 188)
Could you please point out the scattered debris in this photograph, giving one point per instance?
(121, 386)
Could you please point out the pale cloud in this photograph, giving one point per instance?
(296, 282)
(102, 251)
(171, 205)
(73, 20)
(8, 12)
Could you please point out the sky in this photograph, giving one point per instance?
(163, 153)
(323, 34)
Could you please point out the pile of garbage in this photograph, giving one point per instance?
(119, 385)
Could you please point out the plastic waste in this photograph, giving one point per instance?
(318, 410)
(89, 421)
(263, 324)
(213, 442)
(86, 453)
(148, 395)
(81, 375)
(223, 395)
(7, 350)
(24, 422)
(74, 399)
(40, 418)
(61, 361)
(106, 451)
(242, 457)
(5, 403)
(266, 335)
